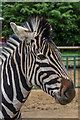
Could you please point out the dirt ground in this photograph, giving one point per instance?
(41, 105)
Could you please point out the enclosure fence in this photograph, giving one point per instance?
(76, 62)
(75, 59)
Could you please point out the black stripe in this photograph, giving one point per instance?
(10, 80)
(59, 64)
(23, 57)
(56, 68)
(45, 49)
(48, 65)
(16, 38)
(7, 117)
(6, 50)
(18, 89)
(43, 64)
(48, 73)
(29, 60)
(31, 63)
(8, 46)
(8, 105)
(39, 77)
(4, 55)
(32, 72)
(8, 88)
(56, 88)
(37, 41)
(52, 81)
(11, 42)
(36, 71)
(20, 47)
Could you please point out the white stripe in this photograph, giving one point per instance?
(13, 81)
(14, 41)
(11, 45)
(9, 49)
(8, 111)
(28, 26)
(54, 76)
(53, 85)
(6, 53)
(21, 60)
(7, 72)
(17, 104)
(0, 61)
(29, 76)
(1, 115)
(2, 57)
(33, 83)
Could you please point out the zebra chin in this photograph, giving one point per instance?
(62, 100)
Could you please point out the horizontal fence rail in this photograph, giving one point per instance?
(69, 47)
(60, 47)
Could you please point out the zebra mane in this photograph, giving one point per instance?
(9, 47)
(55, 48)
(43, 28)
(39, 25)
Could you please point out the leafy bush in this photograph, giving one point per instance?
(64, 17)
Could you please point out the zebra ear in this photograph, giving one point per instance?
(22, 33)
(13, 26)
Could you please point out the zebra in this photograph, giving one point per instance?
(30, 58)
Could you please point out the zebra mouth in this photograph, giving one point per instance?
(63, 100)
(65, 96)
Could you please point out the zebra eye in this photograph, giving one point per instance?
(41, 57)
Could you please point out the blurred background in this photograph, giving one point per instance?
(64, 17)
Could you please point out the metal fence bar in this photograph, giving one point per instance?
(67, 62)
(74, 71)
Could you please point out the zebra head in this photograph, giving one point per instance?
(45, 68)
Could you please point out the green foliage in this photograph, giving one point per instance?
(64, 17)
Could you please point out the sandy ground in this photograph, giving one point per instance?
(41, 105)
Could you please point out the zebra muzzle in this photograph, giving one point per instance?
(65, 97)
(61, 100)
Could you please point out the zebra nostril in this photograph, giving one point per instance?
(69, 93)
(66, 95)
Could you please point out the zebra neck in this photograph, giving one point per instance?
(13, 58)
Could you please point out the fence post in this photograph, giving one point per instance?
(67, 62)
(74, 71)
